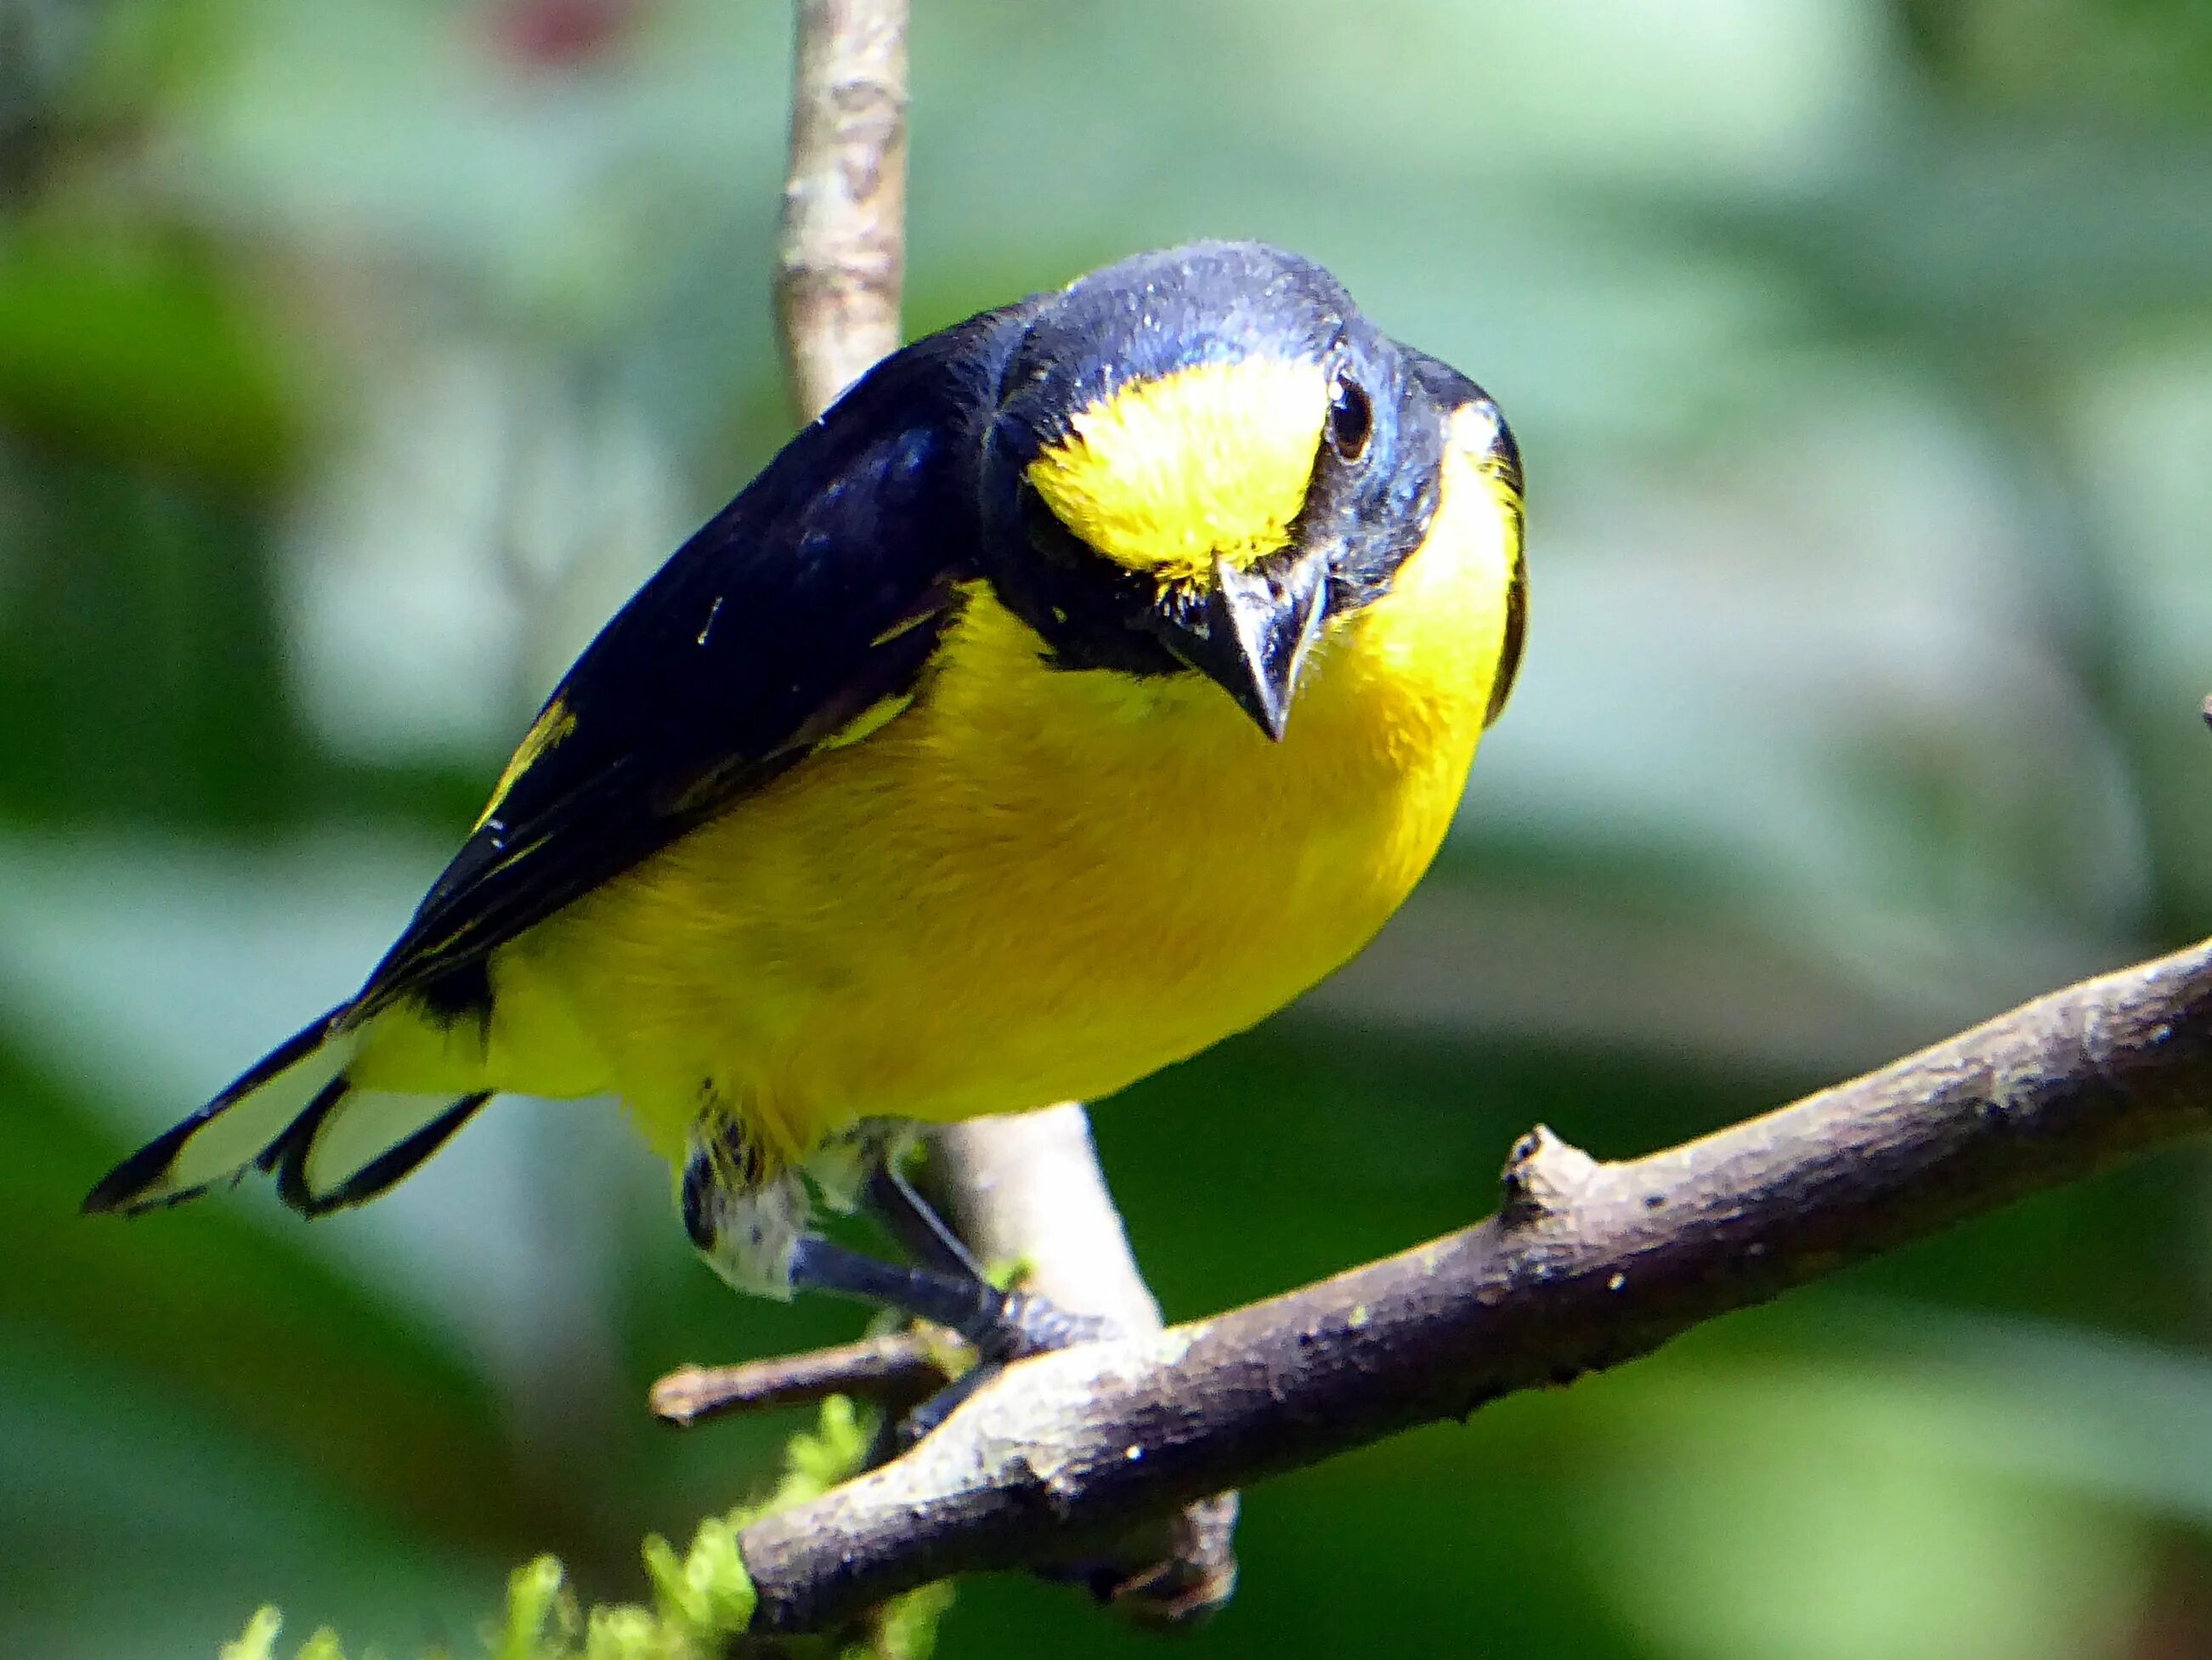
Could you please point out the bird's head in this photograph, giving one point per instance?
(1200, 458)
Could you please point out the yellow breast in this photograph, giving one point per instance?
(1030, 885)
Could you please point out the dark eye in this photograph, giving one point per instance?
(1351, 418)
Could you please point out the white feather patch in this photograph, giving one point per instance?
(361, 1130)
(235, 1135)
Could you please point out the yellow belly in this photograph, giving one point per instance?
(1032, 885)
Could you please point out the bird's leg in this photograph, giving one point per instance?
(973, 1308)
(914, 1221)
(1002, 1325)
(1019, 1324)
(749, 1224)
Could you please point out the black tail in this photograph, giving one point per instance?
(318, 1161)
(293, 1113)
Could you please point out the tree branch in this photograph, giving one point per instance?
(1585, 1265)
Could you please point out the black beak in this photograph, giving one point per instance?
(1251, 635)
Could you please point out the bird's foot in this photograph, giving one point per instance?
(1001, 1326)
(1027, 1325)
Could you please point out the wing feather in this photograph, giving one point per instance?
(815, 596)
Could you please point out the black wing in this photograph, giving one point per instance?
(821, 590)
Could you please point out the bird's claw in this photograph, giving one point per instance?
(1027, 1325)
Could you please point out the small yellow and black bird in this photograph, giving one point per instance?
(1094, 678)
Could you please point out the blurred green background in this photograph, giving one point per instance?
(357, 358)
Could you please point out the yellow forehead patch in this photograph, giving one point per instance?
(1165, 475)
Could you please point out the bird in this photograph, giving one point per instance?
(1093, 678)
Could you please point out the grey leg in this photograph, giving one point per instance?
(1002, 1325)
(754, 1233)
(914, 1222)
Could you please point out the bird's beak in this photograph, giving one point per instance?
(1251, 635)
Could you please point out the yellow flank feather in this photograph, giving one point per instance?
(1031, 885)
(555, 723)
(1164, 475)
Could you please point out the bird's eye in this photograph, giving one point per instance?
(1351, 418)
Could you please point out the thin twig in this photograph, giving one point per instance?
(840, 254)
(900, 1368)
(1585, 1265)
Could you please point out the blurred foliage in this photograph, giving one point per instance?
(703, 1601)
(357, 358)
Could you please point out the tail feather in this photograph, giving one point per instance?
(223, 1138)
(294, 1114)
(352, 1143)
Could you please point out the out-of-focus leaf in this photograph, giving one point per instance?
(2114, 59)
(1978, 234)
(562, 200)
(138, 661)
(144, 1519)
(2124, 1422)
(1824, 1514)
(198, 1303)
(139, 347)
